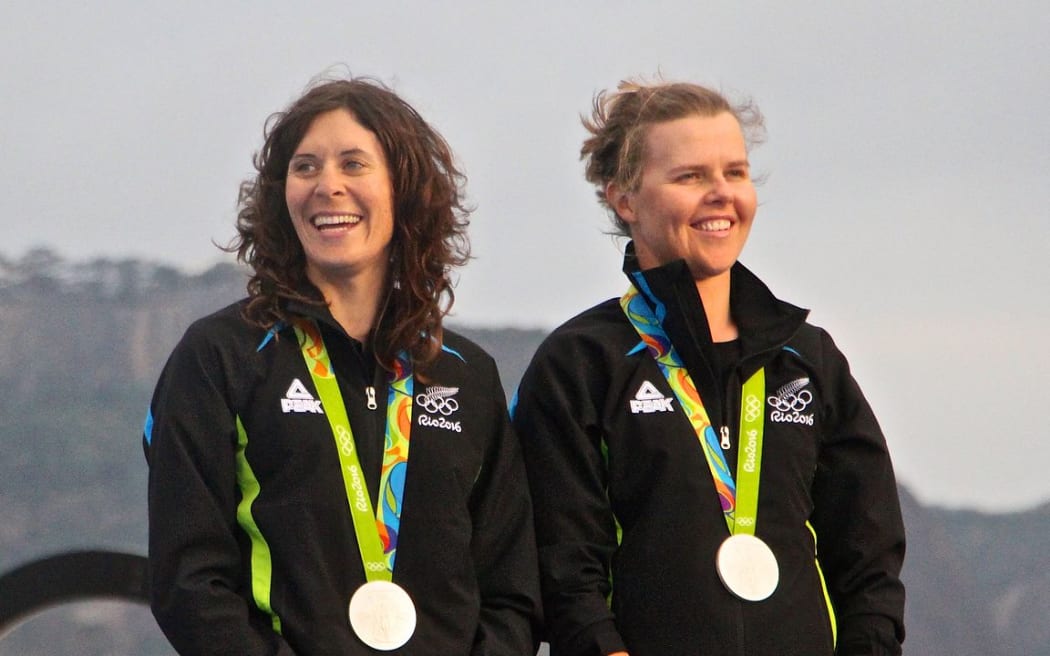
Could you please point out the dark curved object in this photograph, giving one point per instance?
(72, 576)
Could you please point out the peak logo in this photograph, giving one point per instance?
(648, 399)
(299, 400)
(790, 402)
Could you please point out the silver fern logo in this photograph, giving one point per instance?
(789, 403)
(439, 399)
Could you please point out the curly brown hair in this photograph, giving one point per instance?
(430, 219)
(620, 120)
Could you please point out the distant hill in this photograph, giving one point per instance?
(81, 345)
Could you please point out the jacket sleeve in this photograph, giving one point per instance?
(558, 424)
(857, 519)
(503, 545)
(197, 584)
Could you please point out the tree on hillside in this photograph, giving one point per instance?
(41, 271)
(37, 271)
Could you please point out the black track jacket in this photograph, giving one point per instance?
(828, 504)
(252, 548)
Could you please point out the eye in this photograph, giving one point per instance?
(737, 174)
(689, 176)
(302, 166)
(353, 165)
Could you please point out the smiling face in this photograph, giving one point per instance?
(340, 198)
(695, 199)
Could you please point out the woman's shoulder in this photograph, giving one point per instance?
(465, 368)
(226, 328)
(220, 347)
(455, 347)
(814, 344)
(598, 329)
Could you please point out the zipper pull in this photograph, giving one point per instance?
(725, 438)
(370, 392)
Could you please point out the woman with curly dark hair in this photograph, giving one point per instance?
(429, 239)
(281, 488)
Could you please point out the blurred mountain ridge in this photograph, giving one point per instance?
(81, 345)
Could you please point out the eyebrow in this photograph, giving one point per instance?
(344, 153)
(733, 163)
(699, 167)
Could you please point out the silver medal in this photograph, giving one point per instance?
(747, 567)
(382, 615)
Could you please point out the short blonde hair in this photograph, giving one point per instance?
(619, 123)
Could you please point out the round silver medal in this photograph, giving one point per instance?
(382, 615)
(747, 567)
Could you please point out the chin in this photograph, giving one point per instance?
(706, 271)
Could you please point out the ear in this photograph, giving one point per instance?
(620, 201)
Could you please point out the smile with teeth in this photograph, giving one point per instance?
(335, 220)
(714, 225)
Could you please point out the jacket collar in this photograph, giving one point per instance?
(765, 322)
(317, 312)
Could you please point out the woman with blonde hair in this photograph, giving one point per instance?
(707, 477)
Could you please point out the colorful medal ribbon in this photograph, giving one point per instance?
(739, 499)
(377, 534)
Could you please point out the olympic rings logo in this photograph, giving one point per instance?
(792, 402)
(439, 399)
(373, 566)
(752, 408)
(346, 440)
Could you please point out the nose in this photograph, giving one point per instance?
(328, 182)
(721, 192)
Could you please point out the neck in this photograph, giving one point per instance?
(352, 299)
(715, 294)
